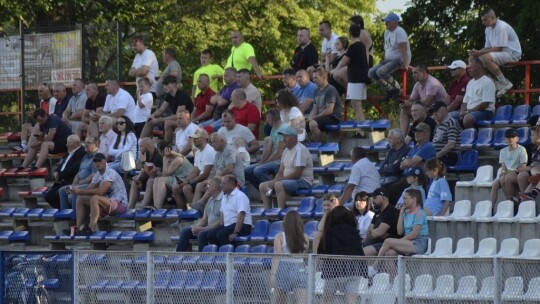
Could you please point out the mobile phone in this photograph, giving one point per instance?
(178, 180)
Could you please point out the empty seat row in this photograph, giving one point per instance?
(467, 162)
(320, 190)
(315, 147)
(483, 210)
(145, 236)
(263, 231)
(14, 236)
(337, 166)
(506, 114)
(489, 138)
(374, 125)
(486, 248)
(27, 172)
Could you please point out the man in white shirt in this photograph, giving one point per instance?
(479, 99)
(231, 130)
(118, 102)
(502, 46)
(183, 142)
(145, 63)
(364, 175)
(329, 41)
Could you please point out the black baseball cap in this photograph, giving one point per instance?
(99, 156)
(380, 191)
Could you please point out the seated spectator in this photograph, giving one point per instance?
(295, 171)
(203, 164)
(305, 55)
(289, 81)
(447, 136)
(145, 101)
(271, 157)
(290, 113)
(511, 158)
(412, 224)
(458, 86)
(330, 201)
(151, 159)
(383, 225)
(51, 138)
(118, 102)
(327, 109)
(419, 114)
(94, 104)
(83, 177)
(222, 100)
(125, 141)
(165, 116)
(65, 173)
(240, 146)
(427, 89)
(72, 116)
(364, 175)
(209, 220)
(232, 130)
(62, 99)
(479, 100)
(108, 136)
(306, 93)
(363, 213)
(245, 113)
(529, 176)
(106, 195)
(252, 93)
(341, 237)
(439, 196)
(415, 178)
(390, 171)
(235, 214)
(183, 143)
(288, 274)
(214, 71)
(204, 110)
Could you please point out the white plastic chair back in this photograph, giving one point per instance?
(533, 290)
(487, 247)
(467, 286)
(531, 249)
(509, 248)
(513, 287)
(482, 209)
(465, 247)
(444, 285)
(462, 208)
(423, 285)
(505, 209)
(527, 209)
(380, 282)
(443, 247)
(488, 287)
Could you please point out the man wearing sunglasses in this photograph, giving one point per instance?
(458, 86)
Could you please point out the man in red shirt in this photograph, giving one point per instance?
(458, 71)
(245, 112)
(203, 110)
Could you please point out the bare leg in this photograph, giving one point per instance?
(200, 189)
(44, 153)
(93, 129)
(370, 251)
(316, 240)
(178, 195)
(510, 184)
(32, 152)
(281, 195)
(97, 204)
(81, 128)
(522, 181)
(358, 110)
(83, 204)
(267, 201)
(340, 76)
(160, 191)
(169, 127)
(404, 119)
(397, 245)
(315, 132)
(491, 65)
(149, 192)
(147, 130)
(468, 121)
(133, 194)
(300, 295)
(188, 193)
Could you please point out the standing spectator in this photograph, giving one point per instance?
(252, 93)
(209, 220)
(363, 213)
(479, 101)
(511, 158)
(295, 172)
(502, 46)
(145, 64)
(306, 93)
(222, 100)
(338, 77)
(125, 141)
(183, 142)
(329, 41)
(242, 55)
(107, 137)
(118, 102)
(439, 196)
(245, 113)
(447, 136)
(173, 69)
(151, 159)
(232, 130)
(365, 37)
(106, 195)
(290, 113)
(51, 138)
(305, 55)
(458, 86)
(287, 274)
(203, 110)
(383, 225)
(94, 103)
(419, 114)
(143, 109)
(235, 216)
(341, 237)
(212, 70)
(389, 170)
(397, 54)
(427, 90)
(327, 109)
(364, 175)
(72, 116)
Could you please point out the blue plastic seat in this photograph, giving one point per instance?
(260, 231)
(51, 284)
(19, 236)
(257, 212)
(93, 259)
(259, 249)
(332, 127)
(128, 214)
(162, 279)
(499, 141)
(381, 145)
(194, 280)
(98, 235)
(275, 228)
(4, 235)
(536, 110)
(241, 260)
(174, 260)
(65, 214)
(49, 213)
(302, 192)
(381, 124)
(313, 147)
(349, 124)
(114, 284)
(7, 212)
(193, 259)
(130, 285)
(319, 190)
(145, 236)
(245, 248)
(191, 214)
(524, 134)
(320, 169)
(318, 212)
(502, 115)
(113, 236)
(310, 228)
(142, 213)
(332, 147)
(467, 161)
(484, 139)
(35, 213)
(127, 235)
(159, 214)
(272, 212)
(100, 284)
(178, 280)
(521, 115)
(364, 124)
(20, 212)
(468, 137)
(212, 279)
(336, 189)
(336, 166)
(173, 213)
(307, 204)
(317, 206)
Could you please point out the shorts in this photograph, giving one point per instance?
(377, 246)
(60, 146)
(292, 185)
(347, 285)
(291, 275)
(502, 58)
(324, 121)
(481, 115)
(421, 244)
(356, 91)
(115, 207)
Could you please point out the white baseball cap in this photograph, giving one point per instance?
(457, 64)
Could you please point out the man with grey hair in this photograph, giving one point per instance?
(108, 136)
(118, 102)
(364, 175)
(389, 170)
(72, 116)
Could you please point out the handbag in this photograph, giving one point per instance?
(127, 161)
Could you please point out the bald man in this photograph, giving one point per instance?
(306, 93)
(242, 55)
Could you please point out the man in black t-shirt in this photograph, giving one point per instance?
(419, 114)
(383, 225)
(305, 55)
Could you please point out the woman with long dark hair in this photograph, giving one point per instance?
(125, 141)
(362, 212)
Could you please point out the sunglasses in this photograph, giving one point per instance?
(120, 123)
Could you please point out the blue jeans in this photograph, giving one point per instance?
(257, 174)
(68, 201)
(186, 234)
(220, 234)
(291, 185)
(384, 69)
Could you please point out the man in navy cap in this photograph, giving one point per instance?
(397, 54)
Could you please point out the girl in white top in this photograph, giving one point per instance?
(144, 105)
(125, 141)
(362, 212)
(290, 113)
(289, 274)
(240, 145)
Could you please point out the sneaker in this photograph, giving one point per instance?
(393, 94)
(504, 88)
(86, 231)
(17, 148)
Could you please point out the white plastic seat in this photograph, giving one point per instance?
(482, 209)
(319, 283)
(461, 209)
(505, 209)
(381, 285)
(467, 288)
(509, 248)
(513, 289)
(395, 287)
(464, 247)
(531, 249)
(489, 184)
(487, 248)
(527, 209)
(423, 286)
(483, 174)
(533, 290)
(444, 287)
(443, 247)
(487, 291)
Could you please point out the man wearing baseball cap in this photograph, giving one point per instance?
(458, 86)
(447, 136)
(397, 55)
(383, 225)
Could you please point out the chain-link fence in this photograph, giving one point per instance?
(36, 277)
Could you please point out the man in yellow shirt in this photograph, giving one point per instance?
(242, 55)
(214, 71)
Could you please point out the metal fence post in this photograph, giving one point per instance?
(497, 273)
(83, 51)
(119, 50)
(401, 280)
(229, 282)
(311, 279)
(75, 276)
(2, 276)
(149, 278)
(22, 71)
